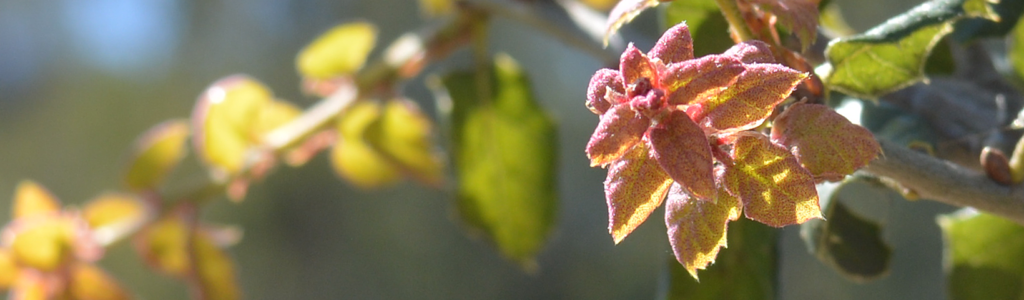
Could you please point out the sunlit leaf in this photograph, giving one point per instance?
(823, 141)
(749, 100)
(696, 229)
(273, 114)
(405, 135)
(683, 152)
(623, 12)
(354, 159)
(706, 23)
(747, 269)
(675, 45)
(983, 255)
(156, 153)
(774, 188)
(892, 55)
(340, 51)
(851, 244)
(225, 121)
(164, 245)
(8, 269)
(1016, 50)
(214, 270)
(113, 215)
(635, 186)
(90, 282)
(436, 7)
(46, 245)
(32, 199)
(619, 130)
(504, 150)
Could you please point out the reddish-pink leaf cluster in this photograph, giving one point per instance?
(671, 120)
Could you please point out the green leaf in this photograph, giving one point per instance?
(774, 188)
(339, 51)
(156, 153)
(504, 149)
(352, 157)
(404, 135)
(706, 22)
(225, 120)
(747, 269)
(1016, 50)
(892, 55)
(983, 254)
(999, 19)
(849, 243)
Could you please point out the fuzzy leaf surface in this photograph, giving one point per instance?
(681, 149)
(635, 186)
(156, 153)
(798, 16)
(891, 55)
(749, 100)
(619, 130)
(504, 151)
(774, 188)
(696, 229)
(747, 269)
(983, 251)
(702, 79)
(823, 141)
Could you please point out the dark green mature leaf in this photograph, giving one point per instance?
(747, 269)
(706, 22)
(892, 55)
(504, 149)
(849, 243)
(984, 255)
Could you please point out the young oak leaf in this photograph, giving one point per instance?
(749, 100)
(681, 149)
(636, 185)
(797, 16)
(823, 141)
(352, 157)
(705, 77)
(619, 130)
(156, 153)
(774, 188)
(697, 229)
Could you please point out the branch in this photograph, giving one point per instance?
(946, 182)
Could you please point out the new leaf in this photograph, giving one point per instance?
(774, 188)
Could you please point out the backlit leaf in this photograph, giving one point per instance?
(1016, 50)
(747, 269)
(892, 55)
(699, 80)
(90, 282)
(436, 7)
(163, 244)
(623, 12)
(823, 141)
(113, 215)
(214, 270)
(983, 255)
(675, 45)
(636, 185)
(696, 229)
(774, 188)
(45, 246)
(684, 153)
(851, 244)
(504, 150)
(797, 16)
(156, 153)
(274, 114)
(340, 51)
(405, 135)
(748, 101)
(32, 199)
(352, 157)
(225, 121)
(619, 130)
(705, 21)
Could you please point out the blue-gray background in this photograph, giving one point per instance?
(80, 79)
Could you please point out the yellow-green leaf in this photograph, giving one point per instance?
(112, 216)
(8, 269)
(352, 157)
(90, 282)
(504, 150)
(214, 270)
(226, 121)
(32, 199)
(405, 135)
(340, 51)
(155, 154)
(983, 255)
(45, 246)
(696, 228)
(774, 188)
(436, 7)
(164, 245)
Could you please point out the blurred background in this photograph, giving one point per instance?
(79, 80)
